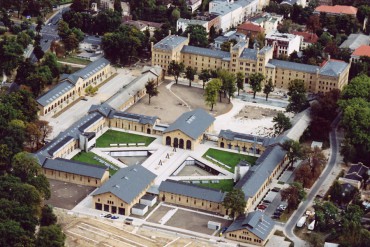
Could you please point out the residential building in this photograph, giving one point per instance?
(355, 176)
(193, 196)
(302, 3)
(362, 51)
(109, 4)
(229, 36)
(144, 25)
(184, 23)
(72, 86)
(75, 172)
(307, 39)
(188, 129)
(123, 190)
(250, 29)
(324, 2)
(255, 228)
(193, 5)
(355, 40)
(230, 13)
(284, 43)
(332, 74)
(90, 48)
(269, 22)
(336, 10)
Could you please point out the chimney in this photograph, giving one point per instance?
(261, 219)
(328, 58)
(169, 32)
(188, 37)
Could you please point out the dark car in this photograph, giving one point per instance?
(276, 217)
(261, 206)
(276, 189)
(108, 216)
(277, 213)
(114, 217)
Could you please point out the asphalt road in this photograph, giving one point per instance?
(334, 146)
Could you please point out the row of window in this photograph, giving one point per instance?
(68, 175)
(195, 201)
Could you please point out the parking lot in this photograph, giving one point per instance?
(270, 204)
(67, 195)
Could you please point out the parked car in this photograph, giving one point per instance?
(282, 207)
(276, 217)
(102, 215)
(114, 217)
(261, 206)
(107, 216)
(276, 189)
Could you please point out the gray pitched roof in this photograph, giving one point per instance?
(54, 93)
(293, 66)
(127, 183)
(333, 68)
(205, 52)
(170, 42)
(90, 122)
(59, 145)
(231, 135)
(358, 168)
(75, 167)
(191, 190)
(256, 222)
(192, 123)
(135, 117)
(250, 54)
(257, 175)
(92, 68)
(355, 40)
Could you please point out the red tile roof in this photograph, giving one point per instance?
(337, 9)
(363, 50)
(250, 27)
(307, 37)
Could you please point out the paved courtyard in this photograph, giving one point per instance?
(67, 195)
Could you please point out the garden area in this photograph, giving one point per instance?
(74, 60)
(227, 158)
(225, 185)
(92, 158)
(118, 137)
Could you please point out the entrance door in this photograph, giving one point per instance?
(181, 143)
(168, 141)
(188, 144)
(106, 208)
(98, 206)
(121, 211)
(176, 142)
(114, 209)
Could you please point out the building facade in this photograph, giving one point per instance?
(284, 43)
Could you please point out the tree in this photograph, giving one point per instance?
(225, 46)
(282, 123)
(24, 70)
(255, 80)
(90, 90)
(47, 216)
(107, 21)
(50, 60)
(316, 240)
(313, 23)
(269, 87)
(240, 81)
(190, 73)
(23, 39)
(294, 151)
(50, 236)
(151, 89)
(294, 194)
(211, 91)
(198, 35)
(230, 85)
(39, 25)
(39, 53)
(175, 69)
(235, 202)
(11, 53)
(297, 96)
(204, 75)
(80, 5)
(117, 6)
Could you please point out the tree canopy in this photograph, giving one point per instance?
(235, 202)
(255, 80)
(198, 35)
(297, 96)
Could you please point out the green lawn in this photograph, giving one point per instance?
(74, 60)
(89, 159)
(117, 137)
(228, 158)
(224, 185)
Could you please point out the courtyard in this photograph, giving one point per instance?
(118, 137)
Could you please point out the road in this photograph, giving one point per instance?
(334, 146)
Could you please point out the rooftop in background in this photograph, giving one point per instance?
(191, 190)
(280, 36)
(363, 50)
(307, 37)
(249, 26)
(337, 9)
(92, 40)
(355, 40)
(170, 42)
(193, 123)
(127, 183)
(139, 24)
(192, 21)
(205, 52)
(256, 222)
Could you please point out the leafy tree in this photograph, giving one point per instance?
(198, 35)
(294, 194)
(50, 236)
(79, 5)
(39, 25)
(303, 175)
(297, 96)
(47, 216)
(107, 21)
(24, 70)
(240, 81)
(5, 155)
(39, 53)
(151, 89)
(175, 15)
(230, 85)
(175, 69)
(294, 151)
(11, 54)
(23, 39)
(117, 6)
(313, 23)
(90, 90)
(13, 234)
(269, 87)
(205, 76)
(50, 60)
(255, 80)
(190, 73)
(211, 91)
(282, 123)
(235, 202)
(227, 45)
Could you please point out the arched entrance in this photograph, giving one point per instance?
(148, 131)
(168, 141)
(188, 144)
(222, 144)
(181, 145)
(176, 142)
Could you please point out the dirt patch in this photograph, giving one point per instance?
(158, 214)
(194, 221)
(254, 112)
(171, 103)
(67, 195)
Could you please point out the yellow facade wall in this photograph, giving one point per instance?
(75, 179)
(245, 236)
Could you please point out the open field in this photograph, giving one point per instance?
(116, 137)
(89, 158)
(224, 185)
(228, 158)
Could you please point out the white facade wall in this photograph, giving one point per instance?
(294, 45)
(137, 211)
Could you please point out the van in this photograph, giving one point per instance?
(128, 221)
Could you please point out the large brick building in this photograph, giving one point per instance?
(332, 74)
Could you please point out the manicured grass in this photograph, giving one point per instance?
(75, 60)
(89, 159)
(228, 158)
(224, 185)
(117, 137)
